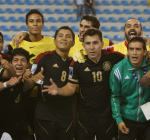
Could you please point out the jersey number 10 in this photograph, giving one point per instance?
(97, 76)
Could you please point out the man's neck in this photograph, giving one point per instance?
(35, 38)
(96, 60)
(63, 55)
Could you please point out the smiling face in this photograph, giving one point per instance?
(20, 64)
(93, 47)
(64, 40)
(136, 53)
(84, 26)
(132, 29)
(35, 24)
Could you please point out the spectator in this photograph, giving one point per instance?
(81, 8)
(90, 4)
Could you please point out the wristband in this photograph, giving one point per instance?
(4, 84)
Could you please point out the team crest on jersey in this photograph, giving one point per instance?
(107, 66)
(70, 72)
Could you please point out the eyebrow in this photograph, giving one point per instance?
(132, 24)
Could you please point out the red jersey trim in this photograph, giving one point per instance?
(41, 55)
(110, 43)
(107, 52)
(72, 63)
(125, 43)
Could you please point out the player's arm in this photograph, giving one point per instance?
(115, 86)
(67, 90)
(30, 82)
(145, 81)
(19, 37)
(13, 81)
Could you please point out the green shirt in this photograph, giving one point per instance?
(126, 94)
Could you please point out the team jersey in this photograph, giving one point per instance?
(78, 46)
(53, 108)
(13, 102)
(121, 47)
(35, 48)
(93, 79)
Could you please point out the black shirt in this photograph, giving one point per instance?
(53, 108)
(12, 102)
(93, 79)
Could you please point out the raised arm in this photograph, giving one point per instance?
(67, 90)
(145, 81)
(30, 82)
(13, 81)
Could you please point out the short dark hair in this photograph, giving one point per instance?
(93, 19)
(66, 28)
(137, 39)
(131, 19)
(34, 11)
(20, 52)
(2, 36)
(92, 32)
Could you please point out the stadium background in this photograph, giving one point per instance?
(112, 15)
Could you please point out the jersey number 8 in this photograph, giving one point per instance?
(63, 77)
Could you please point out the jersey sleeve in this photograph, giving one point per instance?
(115, 86)
(73, 73)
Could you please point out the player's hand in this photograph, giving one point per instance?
(27, 75)
(52, 89)
(122, 127)
(147, 75)
(39, 76)
(13, 81)
(4, 63)
(18, 38)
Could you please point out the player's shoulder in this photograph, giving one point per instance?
(42, 55)
(121, 65)
(111, 53)
(48, 38)
(121, 44)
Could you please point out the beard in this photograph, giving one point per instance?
(127, 35)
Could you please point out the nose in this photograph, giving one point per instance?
(134, 51)
(91, 46)
(34, 23)
(82, 28)
(19, 62)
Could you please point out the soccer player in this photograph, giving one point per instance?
(125, 86)
(35, 43)
(13, 119)
(54, 113)
(132, 28)
(87, 22)
(92, 75)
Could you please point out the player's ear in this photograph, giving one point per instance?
(54, 41)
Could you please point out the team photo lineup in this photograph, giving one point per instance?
(75, 87)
